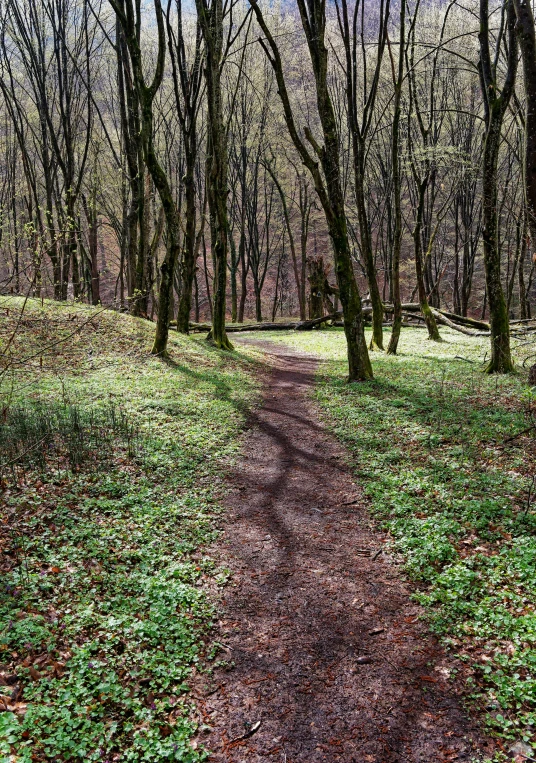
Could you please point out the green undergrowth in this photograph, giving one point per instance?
(428, 439)
(105, 603)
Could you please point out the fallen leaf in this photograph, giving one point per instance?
(35, 674)
(8, 679)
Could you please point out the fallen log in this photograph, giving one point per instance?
(241, 327)
(465, 321)
(521, 331)
(308, 325)
(413, 317)
(414, 307)
(410, 311)
(440, 318)
(289, 326)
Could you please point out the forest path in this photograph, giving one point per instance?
(329, 655)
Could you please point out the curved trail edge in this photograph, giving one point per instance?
(331, 661)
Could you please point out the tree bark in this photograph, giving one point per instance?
(397, 189)
(431, 325)
(186, 83)
(301, 300)
(359, 125)
(328, 186)
(526, 33)
(211, 21)
(495, 104)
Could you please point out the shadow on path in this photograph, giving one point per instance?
(329, 654)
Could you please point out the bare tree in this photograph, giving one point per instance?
(129, 16)
(211, 15)
(328, 185)
(361, 102)
(187, 90)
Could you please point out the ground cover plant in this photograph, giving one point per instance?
(436, 444)
(103, 607)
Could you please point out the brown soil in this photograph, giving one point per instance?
(328, 651)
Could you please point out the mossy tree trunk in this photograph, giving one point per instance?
(135, 166)
(187, 82)
(526, 33)
(328, 181)
(397, 187)
(210, 14)
(431, 323)
(128, 15)
(359, 125)
(317, 277)
(496, 102)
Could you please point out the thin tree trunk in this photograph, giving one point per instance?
(295, 268)
(234, 289)
(188, 250)
(431, 323)
(376, 342)
(523, 312)
(397, 190)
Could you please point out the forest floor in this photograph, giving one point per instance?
(356, 573)
(111, 461)
(330, 659)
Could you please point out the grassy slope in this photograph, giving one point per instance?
(103, 608)
(426, 438)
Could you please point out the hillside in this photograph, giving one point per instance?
(111, 464)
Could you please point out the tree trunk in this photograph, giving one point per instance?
(523, 312)
(258, 302)
(501, 359)
(211, 20)
(301, 300)
(328, 187)
(188, 250)
(527, 41)
(317, 277)
(397, 190)
(431, 324)
(207, 280)
(495, 104)
(234, 285)
(243, 284)
(93, 242)
(305, 215)
(376, 342)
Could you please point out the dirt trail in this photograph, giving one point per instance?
(327, 650)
